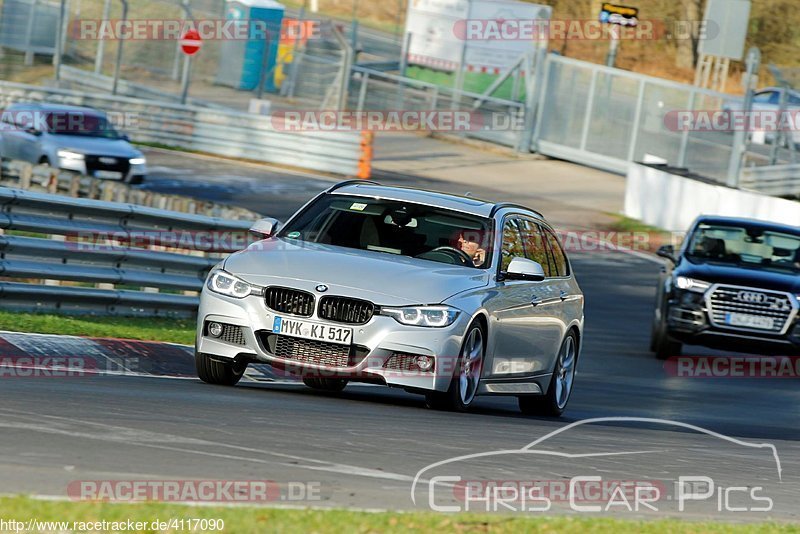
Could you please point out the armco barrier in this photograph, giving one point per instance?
(224, 133)
(159, 257)
(45, 179)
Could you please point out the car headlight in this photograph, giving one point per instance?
(431, 316)
(229, 285)
(69, 154)
(691, 284)
(138, 161)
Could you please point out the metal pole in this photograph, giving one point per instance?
(119, 49)
(611, 59)
(262, 79)
(740, 137)
(60, 39)
(683, 148)
(101, 45)
(29, 34)
(287, 87)
(346, 68)
(187, 66)
(187, 61)
(354, 27)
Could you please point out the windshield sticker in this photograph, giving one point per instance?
(293, 235)
(358, 206)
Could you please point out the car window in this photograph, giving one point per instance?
(512, 243)
(535, 246)
(767, 97)
(395, 227)
(794, 99)
(559, 258)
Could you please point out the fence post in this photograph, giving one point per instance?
(740, 137)
(683, 148)
(29, 34)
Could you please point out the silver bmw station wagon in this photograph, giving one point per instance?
(448, 296)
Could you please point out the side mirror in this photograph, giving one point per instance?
(33, 131)
(125, 137)
(265, 228)
(525, 269)
(668, 252)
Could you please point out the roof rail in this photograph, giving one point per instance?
(503, 205)
(334, 187)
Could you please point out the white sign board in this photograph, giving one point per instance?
(726, 24)
(489, 36)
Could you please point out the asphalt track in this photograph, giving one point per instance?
(364, 447)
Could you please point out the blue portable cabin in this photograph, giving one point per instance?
(242, 60)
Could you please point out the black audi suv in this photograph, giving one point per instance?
(733, 285)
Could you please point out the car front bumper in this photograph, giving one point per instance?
(378, 340)
(688, 322)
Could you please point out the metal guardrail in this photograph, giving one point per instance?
(45, 179)
(775, 180)
(93, 243)
(99, 82)
(224, 133)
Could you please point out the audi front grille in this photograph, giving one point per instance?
(751, 301)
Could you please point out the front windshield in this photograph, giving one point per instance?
(395, 227)
(80, 123)
(746, 246)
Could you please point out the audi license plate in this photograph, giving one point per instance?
(749, 321)
(108, 175)
(315, 331)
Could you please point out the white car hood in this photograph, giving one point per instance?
(385, 279)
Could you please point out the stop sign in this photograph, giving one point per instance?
(191, 42)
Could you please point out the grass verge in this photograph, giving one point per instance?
(642, 237)
(245, 519)
(141, 328)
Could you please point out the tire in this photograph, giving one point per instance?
(554, 402)
(211, 371)
(463, 386)
(135, 180)
(666, 347)
(334, 385)
(661, 343)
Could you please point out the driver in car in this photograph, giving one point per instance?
(469, 241)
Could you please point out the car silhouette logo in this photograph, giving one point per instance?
(322, 288)
(751, 297)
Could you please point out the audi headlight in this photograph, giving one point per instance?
(691, 284)
(430, 316)
(69, 154)
(138, 161)
(229, 285)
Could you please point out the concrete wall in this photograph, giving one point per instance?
(672, 202)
